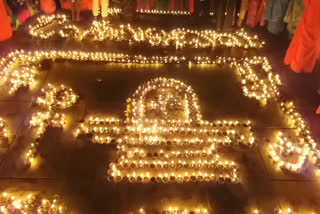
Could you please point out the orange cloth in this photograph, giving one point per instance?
(6, 31)
(304, 49)
(318, 110)
(48, 6)
(85, 5)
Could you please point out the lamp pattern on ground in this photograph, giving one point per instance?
(257, 79)
(30, 203)
(291, 151)
(22, 75)
(165, 139)
(262, 89)
(143, 143)
(178, 38)
(59, 97)
(53, 98)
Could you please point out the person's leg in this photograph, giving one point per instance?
(95, 8)
(220, 13)
(243, 11)
(207, 8)
(58, 5)
(104, 8)
(196, 7)
(78, 8)
(229, 19)
(73, 17)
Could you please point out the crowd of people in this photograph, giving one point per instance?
(303, 15)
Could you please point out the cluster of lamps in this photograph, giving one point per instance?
(147, 170)
(57, 97)
(280, 211)
(253, 86)
(293, 155)
(31, 203)
(142, 142)
(281, 151)
(53, 98)
(178, 210)
(126, 133)
(179, 38)
(3, 129)
(31, 154)
(191, 100)
(181, 210)
(42, 120)
(201, 210)
(16, 71)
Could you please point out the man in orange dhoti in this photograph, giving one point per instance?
(304, 49)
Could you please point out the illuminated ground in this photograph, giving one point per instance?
(76, 169)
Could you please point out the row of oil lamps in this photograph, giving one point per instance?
(261, 89)
(32, 203)
(163, 130)
(174, 177)
(176, 210)
(174, 164)
(95, 120)
(219, 142)
(180, 37)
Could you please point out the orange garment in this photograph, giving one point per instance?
(256, 9)
(85, 5)
(318, 110)
(304, 49)
(6, 31)
(48, 6)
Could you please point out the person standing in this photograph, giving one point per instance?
(104, 8)
(224, 13)
(6, 30)
(304, 49)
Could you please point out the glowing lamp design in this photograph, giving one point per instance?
(164, 138)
